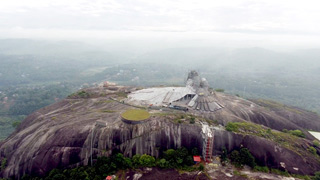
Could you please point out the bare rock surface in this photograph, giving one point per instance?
(78, 129)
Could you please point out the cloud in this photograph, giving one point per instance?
(264, 16)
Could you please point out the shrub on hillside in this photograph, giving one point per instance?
(244, 157)
(136, 160)
(147, 160)
(3, 164)
(224, 155)
(297, 133)
(235, 158)
(219, 90)
(178, 158)
(312, 150)
(162, 163)
(231, 127)
(247, 158)
(83, 94)
(192, 120)
(201, 167)
(264, 169)
(316, 143)
(316, 176)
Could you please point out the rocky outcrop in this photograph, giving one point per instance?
(297, 116)
(75, 131)
(268, 153)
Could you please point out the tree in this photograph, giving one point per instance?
(247, 158)
(189, 160)
(244, 157)
(235, 158)
(59, 177)
(147, 161)
(3, 164)
(16, 124)
(103, 165)
(78, 173)
(119, 161)
(224, 155)
(136, 160)
(169, 154)
(162, 163)
(54, 173)
(128, 163)
(316, 176)
(181, 155)
(194, 151)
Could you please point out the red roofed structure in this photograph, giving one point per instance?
(196, 159)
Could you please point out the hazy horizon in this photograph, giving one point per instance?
(270, 47)
(271, 24)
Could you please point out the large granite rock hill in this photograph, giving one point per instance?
(78, 129)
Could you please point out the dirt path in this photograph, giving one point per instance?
(161, 174)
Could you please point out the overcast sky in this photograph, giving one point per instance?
(252, 20)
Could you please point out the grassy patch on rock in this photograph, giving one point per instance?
(122, 94)
(107, 111)
(80, 94)
(103, 102)
(275, 105)
(135, 115)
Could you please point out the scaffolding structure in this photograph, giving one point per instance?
(208, 141)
